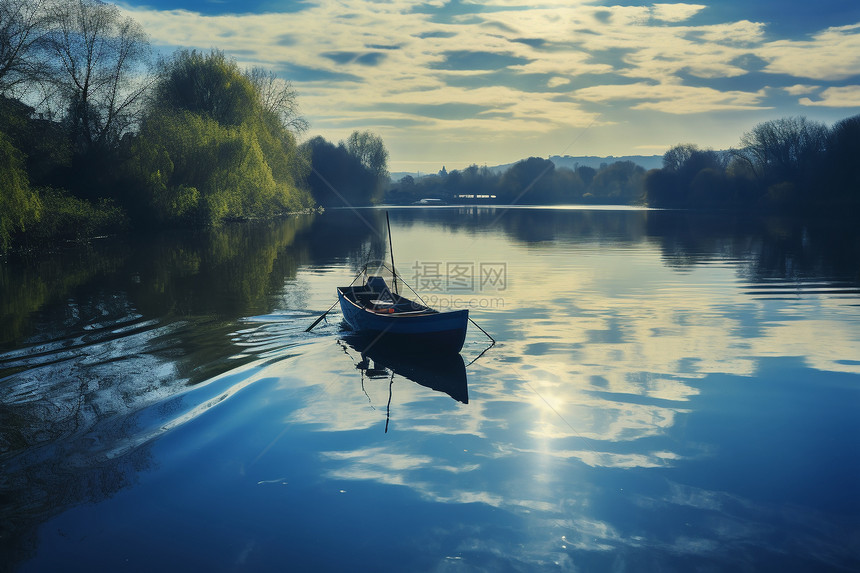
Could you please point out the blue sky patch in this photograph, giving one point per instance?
(469, 60)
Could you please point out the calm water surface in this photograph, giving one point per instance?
(669, 391)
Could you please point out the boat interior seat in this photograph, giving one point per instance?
(376, 295)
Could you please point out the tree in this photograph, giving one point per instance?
(338, 178)
(209, 151)
(42, 142)
(675, 158)
(23, 24)
(278, 98)
(19, 205)
(370, 150)
(620, 182)
(842, 168)
(783, 149)
(687, 160)
(527, 181)
(568, 186)
(225, 174)
(98, 58)
(662, 188)
(206, 84)
(586, 173)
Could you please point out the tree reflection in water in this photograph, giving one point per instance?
(99, 343)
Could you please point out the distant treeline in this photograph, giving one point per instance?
(785, 164)
(95, 136)
(531, 181)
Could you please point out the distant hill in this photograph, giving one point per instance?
(569, 162)
(572, 162)
(646, 161)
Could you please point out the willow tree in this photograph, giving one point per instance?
(19, 205)
(202, 83)
(210, 151)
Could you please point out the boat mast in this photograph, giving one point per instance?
(391, 250)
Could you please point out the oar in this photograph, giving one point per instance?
(322, 316)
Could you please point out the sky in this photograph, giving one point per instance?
(461, 82)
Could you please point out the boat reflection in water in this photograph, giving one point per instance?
(442, 372)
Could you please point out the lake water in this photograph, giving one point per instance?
(668, 391)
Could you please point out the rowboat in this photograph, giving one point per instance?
(373, 309)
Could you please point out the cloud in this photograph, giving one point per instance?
(673, 99)
(676, 12)
(846, 96)
(408, 70)
(801, 89)
(451, 111)
(833, 54)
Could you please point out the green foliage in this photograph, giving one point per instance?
(289, 164)
(71, 218)
(209, 149)
(206, 84)
(198, 170)
(19, 205)
(213, 142)
(43, 143)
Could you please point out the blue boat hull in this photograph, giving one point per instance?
(440, 331)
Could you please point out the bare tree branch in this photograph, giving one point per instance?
(99, 69)
(278, 97)
(23, 24)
